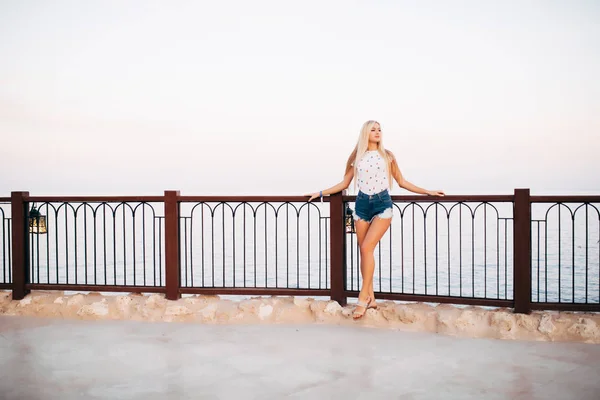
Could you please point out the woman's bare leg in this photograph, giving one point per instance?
(375, 232)
(361, 232)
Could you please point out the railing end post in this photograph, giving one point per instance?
(19, 203)
(172, 245)
(338, 253)
(522, 251)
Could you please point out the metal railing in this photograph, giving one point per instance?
(505, 251)
(105, 244)
(565, 236)
(458, 250)
(254, 243)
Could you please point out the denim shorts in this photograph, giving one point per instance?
(368, 206)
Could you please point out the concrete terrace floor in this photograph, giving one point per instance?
(70, 359)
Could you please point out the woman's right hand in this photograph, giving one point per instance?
(313, 196)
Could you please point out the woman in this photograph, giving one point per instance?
(373, 167)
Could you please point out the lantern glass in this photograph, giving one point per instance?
(37, 222)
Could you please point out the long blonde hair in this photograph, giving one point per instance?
(361, 148)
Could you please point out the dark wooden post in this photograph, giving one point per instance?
(20, 243)
(522, 251)
(172, 266)
(338, 256)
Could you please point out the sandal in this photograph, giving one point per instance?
(356, 315)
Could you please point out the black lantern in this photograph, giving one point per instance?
(349, 220)
(37, 221)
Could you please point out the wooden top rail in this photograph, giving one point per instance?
(400, 198)
(447, 199)
(220, 199)
(107, 199)
(565, 199)
(418, 198)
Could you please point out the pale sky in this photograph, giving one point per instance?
(268, 97)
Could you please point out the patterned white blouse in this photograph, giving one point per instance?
(372, 175)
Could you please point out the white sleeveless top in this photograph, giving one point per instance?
(371, 173)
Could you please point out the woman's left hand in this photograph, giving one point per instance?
(435, 193)
(313, 196)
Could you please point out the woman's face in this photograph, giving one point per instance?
(375, 134)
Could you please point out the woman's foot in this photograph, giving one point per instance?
(361, 308)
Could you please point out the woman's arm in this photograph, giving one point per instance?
(403, 183)
(336, 188)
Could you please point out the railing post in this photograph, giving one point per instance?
(522, 251)
(338, 256)
(172, 265)
(20, 243)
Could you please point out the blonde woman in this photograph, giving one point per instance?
(372, 168)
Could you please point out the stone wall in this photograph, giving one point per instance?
(445, 319)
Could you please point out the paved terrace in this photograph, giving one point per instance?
(43, 358)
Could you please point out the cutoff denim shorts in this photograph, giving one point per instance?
(368, 206)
